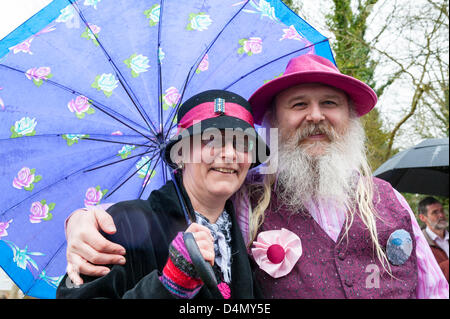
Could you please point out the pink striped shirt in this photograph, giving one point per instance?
(431, 281)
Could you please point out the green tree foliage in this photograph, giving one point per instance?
(349, 26)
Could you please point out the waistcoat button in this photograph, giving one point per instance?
(348, 283)
(341, 256)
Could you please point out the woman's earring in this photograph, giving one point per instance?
(181, 166)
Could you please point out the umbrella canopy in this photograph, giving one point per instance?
(89, 94)
(421, 169)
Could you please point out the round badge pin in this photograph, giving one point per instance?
(399, 247)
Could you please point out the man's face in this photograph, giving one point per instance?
(313, 109)
(435, 217)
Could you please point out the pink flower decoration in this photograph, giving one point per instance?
(92, 197)
(79, 105)
(172, 96)
(277, 251)
(3, 227)
(253, 45)
(24, 178)
(204, 64)
(291, 34)
(38, 73)
(117, 133)
(39, 212)
(94, 28)
(23, 47)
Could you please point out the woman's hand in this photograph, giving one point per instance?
(205, 241)
(87, 248)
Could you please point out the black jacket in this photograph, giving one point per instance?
(146, 228)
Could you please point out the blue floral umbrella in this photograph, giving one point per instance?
(89, 91)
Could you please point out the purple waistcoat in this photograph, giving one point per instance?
(345, 269)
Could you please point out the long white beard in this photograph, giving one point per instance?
(303, 178)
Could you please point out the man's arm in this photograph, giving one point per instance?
(87, 249)
(431, 281)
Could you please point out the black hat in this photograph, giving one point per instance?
(216, 109)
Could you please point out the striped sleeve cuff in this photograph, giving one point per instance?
(179, 275)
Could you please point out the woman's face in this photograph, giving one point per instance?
(218, 164)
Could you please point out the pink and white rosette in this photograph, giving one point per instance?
(277, 251)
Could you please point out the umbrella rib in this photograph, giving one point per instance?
(274, 60)
(116, 162)
(199, 59)
(152, 128)
(124, 83)
(48, 263)
(92, 101)
(117, 142)
(146, 182)
(120, 121)
(129, 177)
(160, 109)
(172, 114)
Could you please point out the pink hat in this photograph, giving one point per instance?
(310, 68)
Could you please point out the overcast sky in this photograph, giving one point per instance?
(14, 12)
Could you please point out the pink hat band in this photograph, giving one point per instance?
(311, 68)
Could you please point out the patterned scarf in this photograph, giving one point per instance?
(221, 232)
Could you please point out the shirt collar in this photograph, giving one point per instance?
(433, 236)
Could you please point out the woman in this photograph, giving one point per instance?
(213, 151)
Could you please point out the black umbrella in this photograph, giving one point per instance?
(421, 169)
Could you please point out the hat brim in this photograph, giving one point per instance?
(221, 123)
(362, 95)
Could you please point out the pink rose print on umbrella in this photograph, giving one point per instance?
(3, 227)
(291, 34)
(24, 47)
(91, 33)
(80, 106)
(38, 75)
(26, 178)
(2, 104)
(171, 98)
(250, 46)
(94, 195)
(204, 64)
(277, 251)
(41, 211)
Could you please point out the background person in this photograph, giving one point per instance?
(432, 214)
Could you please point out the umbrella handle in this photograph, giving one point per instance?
(202, 267)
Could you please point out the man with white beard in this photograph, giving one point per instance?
(321, 226)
